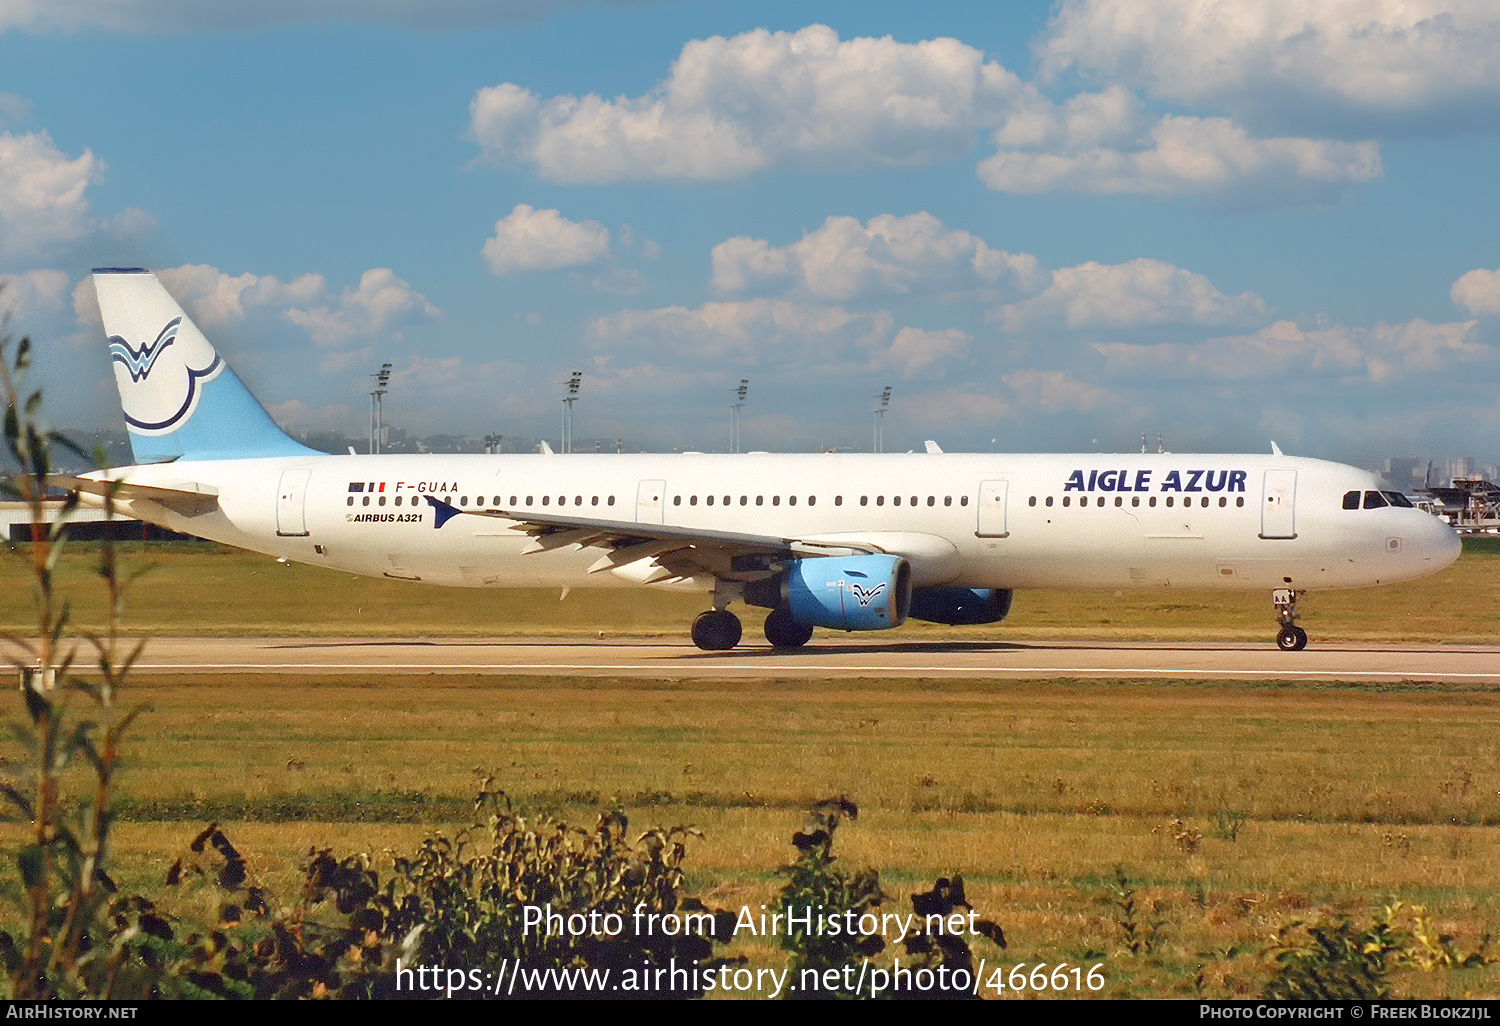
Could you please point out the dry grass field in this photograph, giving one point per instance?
(207, 589)
(1231, 808)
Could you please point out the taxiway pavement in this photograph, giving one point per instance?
(830, 657)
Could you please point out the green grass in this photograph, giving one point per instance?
(1345, 796)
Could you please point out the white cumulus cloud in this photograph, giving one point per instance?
(382, 302)
(24, 296)
(1381, 355)
(844, 259)
(213, 298)
(1129, 295)
(528, 240)
(1281, 60)
(43, 206)
(733, 106)
(1212, 157)
(1478, 292)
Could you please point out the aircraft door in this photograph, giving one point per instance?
(650, 507)
(992, 496)
(1278, 505)
(291, 503)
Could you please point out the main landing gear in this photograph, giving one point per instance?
(717, 630)
(782, 631)
(1291, 638)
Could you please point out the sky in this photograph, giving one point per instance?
(1047, 227)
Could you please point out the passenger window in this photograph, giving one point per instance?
(595, 501)
(1169, 500)
(760, 500)
(1204, 501)
(1374, 500)
(1240, 501)
(812, 500)
(964, 501)
(1223, 502)
(1135, 500)
(1049, 500)
(528, 500)
(913, 500)
(895, 500)
(880, 500)
(838, 500)
(578, 500)
(398, 500)
(497, 500)
(610, 501)
(708, 500)
(546, 499)
(947, 500)
(676, 500)
(1119, 500)
(513, 500)
(462, 502)
(1031, 501)
(1151, 501)
(351, 500)
(791, 500)
(776, 500)
(932, 500)
(365, 501)
(1067, 499)
(726, 500)
(744, 499)
(692, 500)
(864, 500)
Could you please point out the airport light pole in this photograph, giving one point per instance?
(885, 402)
(573, 382)
(377, 406)
(734, 414)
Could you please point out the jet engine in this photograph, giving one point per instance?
(960, 606)
(852, 593)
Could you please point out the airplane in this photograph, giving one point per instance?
(843, 541)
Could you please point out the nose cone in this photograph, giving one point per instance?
(1440, 545)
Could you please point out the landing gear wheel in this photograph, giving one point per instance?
(717, 630)
(783, 631)
(1290, 638)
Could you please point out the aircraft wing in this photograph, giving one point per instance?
(666, 551)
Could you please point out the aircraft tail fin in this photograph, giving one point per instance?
(181, 400)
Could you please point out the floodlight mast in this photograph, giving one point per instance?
(885, 402)
(377, 406)
(572, 384)
(734, 414)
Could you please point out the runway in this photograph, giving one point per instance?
(832, 658)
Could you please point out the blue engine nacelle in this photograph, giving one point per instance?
(856, 593)
(960, 606)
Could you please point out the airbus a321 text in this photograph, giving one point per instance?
(842, 541)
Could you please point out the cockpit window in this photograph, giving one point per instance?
(1397, 499)
(1351, 500)
(1374, 500)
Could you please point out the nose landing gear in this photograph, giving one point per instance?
(1291, 638)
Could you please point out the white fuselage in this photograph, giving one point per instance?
(972, 521)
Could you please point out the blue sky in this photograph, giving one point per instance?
(1053, 226)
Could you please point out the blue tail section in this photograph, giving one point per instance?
(181, 401)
